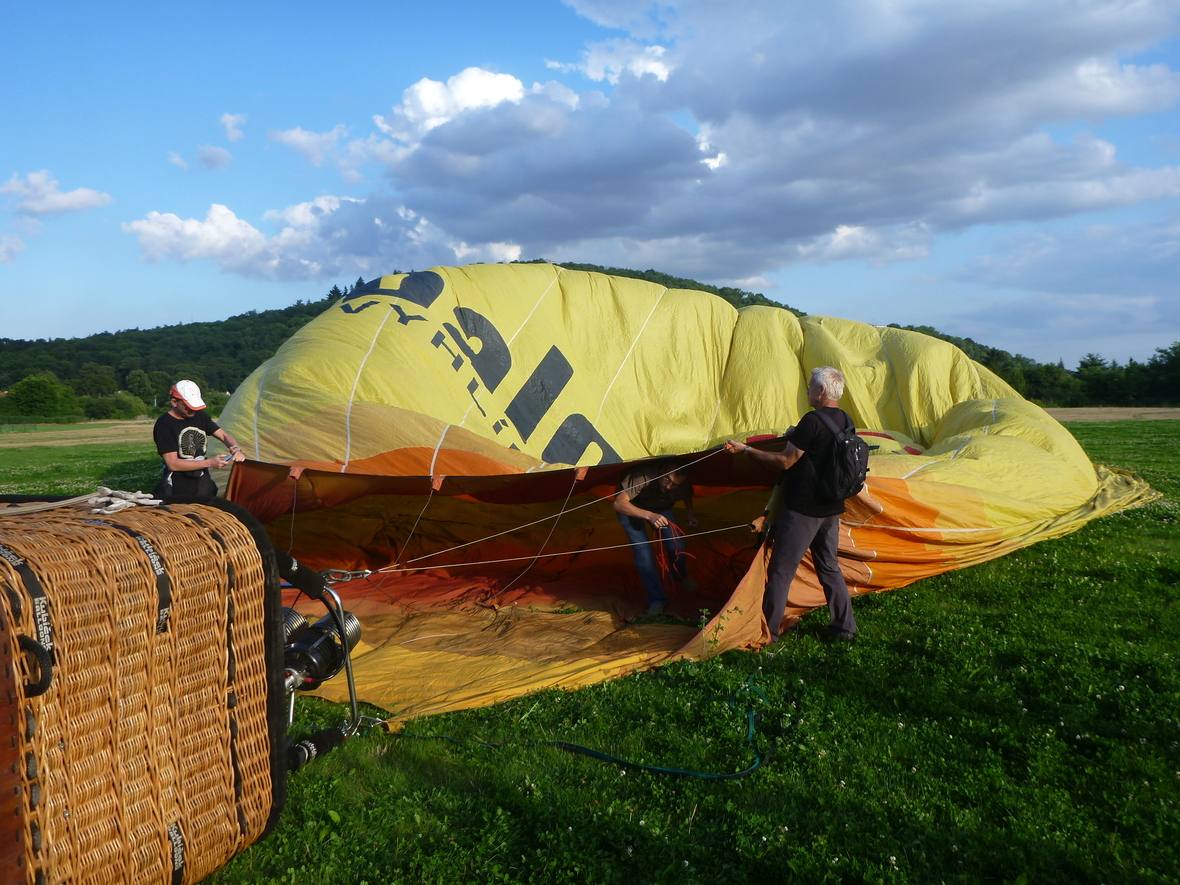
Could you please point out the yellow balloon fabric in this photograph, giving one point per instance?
(426, 425)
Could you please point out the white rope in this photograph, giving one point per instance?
(511, 338)
(537, 303)
(544, 543)
(393, 570)
(352, 394)
(294, 501)
(555, 515)
(414, 527)
(102, 500)
(438, 446)
(713, 423)
(627, 356)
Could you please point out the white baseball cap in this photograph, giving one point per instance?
(189, 394)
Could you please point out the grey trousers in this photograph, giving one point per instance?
(794, 534)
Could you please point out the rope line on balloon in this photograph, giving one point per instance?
(580, 550)
(557, 515)
(541, 549)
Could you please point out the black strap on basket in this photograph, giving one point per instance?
(44, 659)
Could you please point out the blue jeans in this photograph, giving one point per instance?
(645, 559)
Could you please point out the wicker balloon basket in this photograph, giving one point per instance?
(142, 728)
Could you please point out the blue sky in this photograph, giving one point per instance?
(1005, 171)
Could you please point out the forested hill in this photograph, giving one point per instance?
(217, 355)
(109, 374)
(220, 353)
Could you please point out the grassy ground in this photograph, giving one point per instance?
(1016, 721)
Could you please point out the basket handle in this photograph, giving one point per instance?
(32, 647)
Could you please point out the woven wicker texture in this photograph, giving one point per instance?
(151, 745)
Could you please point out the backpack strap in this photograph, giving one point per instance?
(830, 422)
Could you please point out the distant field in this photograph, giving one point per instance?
(1018, 721)
(1112, 413)
(88, 433)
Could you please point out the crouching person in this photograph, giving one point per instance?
(646, 497)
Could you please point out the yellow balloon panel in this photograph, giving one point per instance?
(410, 409)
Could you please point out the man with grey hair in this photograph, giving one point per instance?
(807, 518)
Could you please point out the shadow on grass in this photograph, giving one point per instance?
(139, 474)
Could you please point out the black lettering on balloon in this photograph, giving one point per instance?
(537, 395)
(422, 288)
(575, 435)
(471, 388)
(492, 361)
(404, 318)
(357, 308)
(440, 340)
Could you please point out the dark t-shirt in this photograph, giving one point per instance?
(800, 492)
(643, 489)
(185, 484)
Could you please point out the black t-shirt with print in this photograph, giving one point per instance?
(800, 491)
(185, 484)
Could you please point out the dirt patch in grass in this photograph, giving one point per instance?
(23, 436)
(1112, 413)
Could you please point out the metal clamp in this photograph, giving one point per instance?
(343, 576)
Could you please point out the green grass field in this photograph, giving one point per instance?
(1016, 721)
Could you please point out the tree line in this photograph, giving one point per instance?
(128, 373)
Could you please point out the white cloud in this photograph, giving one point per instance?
(10, 247)
(325, 237)
(309, 214)
(177, 160)
(430, 103)
(221, 236)
(486, 252)
(213, 157)
(609, 60)
(232, 124)
(853, 241)
(643, 18)
(38, 194)
(726, 141)
(315, 146)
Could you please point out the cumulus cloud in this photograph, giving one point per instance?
(315, 146)
(726, 141)
(611, 59)
(232, 124)
(177, 160)
(757, 136)
(849, 241)
(38, 193)
(324, 237)
(213, 157)
(430, 103)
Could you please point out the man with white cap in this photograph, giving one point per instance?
(181, 434)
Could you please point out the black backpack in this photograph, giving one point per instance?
(848, 461)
